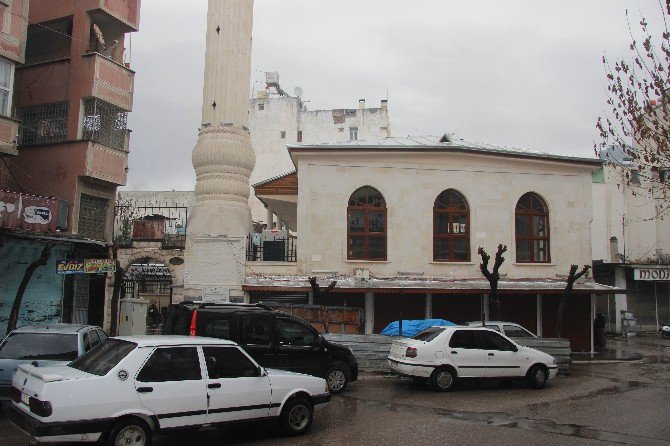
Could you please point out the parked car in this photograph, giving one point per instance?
(274, 339)
(44, 345)
(509, 329)
(129, 388)
(444, 355)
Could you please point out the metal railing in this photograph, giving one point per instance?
(262, 248)
(174, 224)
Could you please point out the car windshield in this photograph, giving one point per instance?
(46, 346)
(428, 334)
(104, 357)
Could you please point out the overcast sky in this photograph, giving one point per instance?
(523, 73)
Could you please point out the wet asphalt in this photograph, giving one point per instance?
(599, 403)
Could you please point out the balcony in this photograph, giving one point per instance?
(122, 13)
(272, 252)
(109, 81)
(43, 124)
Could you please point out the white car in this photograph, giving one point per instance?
(443, 355)
(129, 388)
(509, 329)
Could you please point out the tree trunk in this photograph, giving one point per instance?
(573, 276)
(16, 307)
(116, 293)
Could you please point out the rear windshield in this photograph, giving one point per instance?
(104, 357)
(47, 346)
(428, 334)
(178, 321)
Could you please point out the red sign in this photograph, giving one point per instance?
(22, 211)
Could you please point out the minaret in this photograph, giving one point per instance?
(223, 159)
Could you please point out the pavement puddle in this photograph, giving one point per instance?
(513, 422)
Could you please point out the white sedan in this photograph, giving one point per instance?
(129, 388)
(443, 355)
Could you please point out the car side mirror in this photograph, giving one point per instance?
(262, 372)
(515, 348)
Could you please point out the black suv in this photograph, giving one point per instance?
(274, 339)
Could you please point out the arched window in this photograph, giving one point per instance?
(366, 225)
(451, 228)
(532, 229)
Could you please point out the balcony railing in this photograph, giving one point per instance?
(43, 124)
(262, 248)
(166, 224)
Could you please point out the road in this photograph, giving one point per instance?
(613, 403)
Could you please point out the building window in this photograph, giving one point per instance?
(282, 134)
(6, 83)
(353, 133)
(532, 230)
(366, 225)
(451, 228)
(299, 135)
(93, 217)
(261, 106)
(635, 177)
(664, 175)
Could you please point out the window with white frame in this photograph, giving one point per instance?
(6, 84)
(353, 133)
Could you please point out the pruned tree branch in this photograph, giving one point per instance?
(318, 291)
(492, 277)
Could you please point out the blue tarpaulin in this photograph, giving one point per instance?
(411, 328)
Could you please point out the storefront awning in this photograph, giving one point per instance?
(349, 284)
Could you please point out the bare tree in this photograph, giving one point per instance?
(492, 277)
(16, 307)
(638, 117)
(567, 292)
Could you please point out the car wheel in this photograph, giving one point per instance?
(129, 432)
(337, 377)
(538, 376)
(443, 379)
(297, 415)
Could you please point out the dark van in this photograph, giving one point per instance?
(274, 339)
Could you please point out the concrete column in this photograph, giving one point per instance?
(310, 298)
(369, 313)
(593, 315)
(485, 306)
(429, 306)
(223, 159)
(539, 316)
(620, 300)
(269, 219)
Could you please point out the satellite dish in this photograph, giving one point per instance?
(298, 92)
(98, 36)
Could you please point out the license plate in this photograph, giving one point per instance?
(25, 399)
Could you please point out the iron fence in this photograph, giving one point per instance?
(262, 248)
(174, 220)
(105, 123)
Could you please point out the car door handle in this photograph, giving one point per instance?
(214, 386)
(454, 353)
(491, 354)
(145, 389)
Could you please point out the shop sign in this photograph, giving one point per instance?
(99, 266)
(30, 212)
(70, 267)
(661, 274)
(89, 266)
